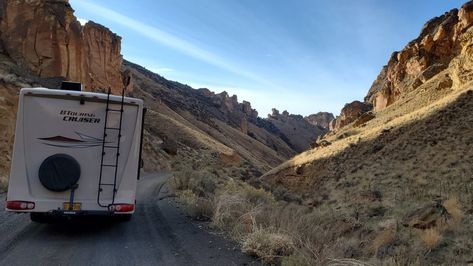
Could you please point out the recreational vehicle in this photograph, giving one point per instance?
(75, 153)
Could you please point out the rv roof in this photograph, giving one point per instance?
(45, 92)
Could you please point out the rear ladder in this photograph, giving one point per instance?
(107, 145)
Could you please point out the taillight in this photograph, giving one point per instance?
(122, 207)
(20, 205)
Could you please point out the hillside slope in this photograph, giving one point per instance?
(398, 177)
(210, 126)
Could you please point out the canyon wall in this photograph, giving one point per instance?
(46, 38)
(443, 44)
(440, 58)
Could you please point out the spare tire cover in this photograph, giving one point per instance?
(59, 172)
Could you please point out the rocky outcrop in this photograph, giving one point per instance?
(45, 37)
(101, 61)
(444, 43)
(297, 131)
(229, 104)
(322, 119)
(350, 113)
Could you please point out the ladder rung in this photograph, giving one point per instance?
(113, 128)
(111, 147)
(106, 184)
(109, 165)
(115, 110)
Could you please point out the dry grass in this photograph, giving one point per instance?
(3, 182)
(383, 238)
(268, 245)
(236, 207)
(197, 207)
(413, 106)
(411, 165)
(358, 191)
(452, 205)
(430, 238)
(188, 133)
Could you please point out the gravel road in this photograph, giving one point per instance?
(158, 234)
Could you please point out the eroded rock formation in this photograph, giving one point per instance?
(444, 43)
(351, 112)
(298, 131)
(45, 37)
(322, 119)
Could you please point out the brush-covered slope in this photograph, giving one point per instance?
(184, 124)
(400, 177)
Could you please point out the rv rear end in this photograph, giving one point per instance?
(75, 153)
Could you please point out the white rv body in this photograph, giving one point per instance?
(53, 122)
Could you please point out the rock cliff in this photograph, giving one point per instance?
(46, 38)
(298, 131)
(440, 58)
(322, 119)
(442, 44)
(351, 112)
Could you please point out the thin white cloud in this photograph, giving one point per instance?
(161, 70)
(172, 41)
(82, 21)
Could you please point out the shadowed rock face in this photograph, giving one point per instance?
(298, 131)
(45, 37)
(441, 40)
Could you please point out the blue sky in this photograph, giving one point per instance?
(303, 56)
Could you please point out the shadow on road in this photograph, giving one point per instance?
(83, 225)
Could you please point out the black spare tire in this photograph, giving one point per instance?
(59, 172)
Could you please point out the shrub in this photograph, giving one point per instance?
(279, 193)
(197, 207)
(180, 180)
(3, 182)
(453, 208)
(268, 245)
(231, 214)
(384, 238)
(431, 238)
(298, 259)
(202, 183)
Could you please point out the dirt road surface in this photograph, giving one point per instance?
(158, 234)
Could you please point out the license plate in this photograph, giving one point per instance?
(76, 206)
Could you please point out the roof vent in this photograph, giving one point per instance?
(71, 86)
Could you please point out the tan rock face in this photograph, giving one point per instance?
(442, 41)
(46, 37)
(321, 119)
(102, 59)
(351, 112)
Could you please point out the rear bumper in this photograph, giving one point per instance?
(57, 207)
(65, 213)
(83, 213)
